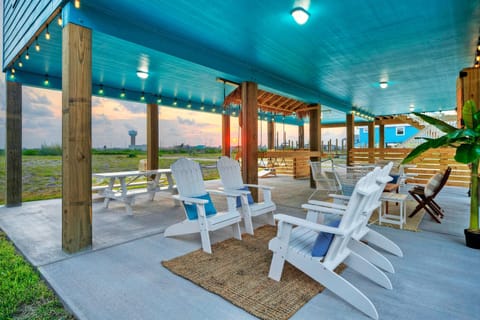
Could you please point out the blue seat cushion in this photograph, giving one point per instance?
(323, 241)
(394, 178)
(191, 209)
(249, 197)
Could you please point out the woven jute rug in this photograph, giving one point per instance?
(238, 272)
(411, 223)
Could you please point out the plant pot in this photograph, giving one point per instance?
(472, 238)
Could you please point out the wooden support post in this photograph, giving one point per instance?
(381, 137)
(226, 135)
(371, 141)
(250, 135)
(301, 137)
(315, 136)
(152, 136)
(468, 87)
(76, 138)
(13, 159)
(271, 135)
(350, 136)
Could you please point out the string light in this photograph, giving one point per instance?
(213, 109)
(20, 63)
(27, 55)
(46, 82)
(189, 105)
(175, 102)
(37, 46)
(202, 107)
(142, 97)
(77, 4)
(60, 20)
(100, 90)
(47, 34)
(159, 100)
(12, 70)
(122, 94)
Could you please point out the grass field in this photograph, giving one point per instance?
(42, 175)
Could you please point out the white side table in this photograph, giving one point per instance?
(384, 216)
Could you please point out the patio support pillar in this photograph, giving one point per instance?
(350, 136)
(468, 87)
(226, 135)
(76, 138)
(381, 137)
(301, 136)
(271, 134)
(13, 154)
(249, 120)
(371, 141)
(152, 136)
(315, 136)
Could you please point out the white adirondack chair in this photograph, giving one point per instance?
(295, 244)
(191, 192)
(366, 234)
(231, 177)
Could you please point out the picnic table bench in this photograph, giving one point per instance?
(125, 193)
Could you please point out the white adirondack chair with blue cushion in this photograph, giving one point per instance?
(365, 234)
(306, 245)
(231, 177)
(201, 215)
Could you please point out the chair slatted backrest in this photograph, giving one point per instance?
(188, 177)
(230, 173)
(442, 182)
(352, 219)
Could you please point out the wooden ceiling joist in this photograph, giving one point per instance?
(270, 102)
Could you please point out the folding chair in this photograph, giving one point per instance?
(425, 195)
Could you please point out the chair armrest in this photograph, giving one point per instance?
(259, 186)
(189, 200)
(307, 224)
(227, 193)
(327, 204)
(323, 209)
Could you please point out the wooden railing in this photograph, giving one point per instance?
(291, 162)
(427, 164)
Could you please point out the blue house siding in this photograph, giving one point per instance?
(21, 19)
(391, 135)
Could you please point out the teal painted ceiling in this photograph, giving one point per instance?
(336, 59)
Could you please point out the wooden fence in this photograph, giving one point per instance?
(429, 163)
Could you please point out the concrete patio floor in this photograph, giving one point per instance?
(121, 277)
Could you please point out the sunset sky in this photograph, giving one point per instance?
(112, 119)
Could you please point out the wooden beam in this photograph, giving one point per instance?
(381, 138)
(250, 135)
(371, 134)
(350, 135)
(271, 135)
(301, 136)
(13, 147)
(152, 136)
(76, 138)
(226, 135)
(315, 136)
(468, 87)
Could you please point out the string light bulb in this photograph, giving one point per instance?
(159, 100)
(122, 94)
(20, 63)
(37, 46)
(27, 55)
(60, 20)
(47, 34)
(142, 97)
(12, 70)
(202, 107)
(77, 4)
(189, 105)
(100, 90)
(46, 82)
(175, 102)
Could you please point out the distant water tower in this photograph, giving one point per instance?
(132, 134)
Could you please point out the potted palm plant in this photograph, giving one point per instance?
(467, 142)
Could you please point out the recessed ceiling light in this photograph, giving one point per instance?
(142, 74)
(383, 84)
(300, 15)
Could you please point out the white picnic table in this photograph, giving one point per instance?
(126, 193)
